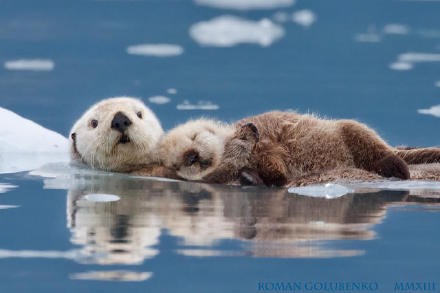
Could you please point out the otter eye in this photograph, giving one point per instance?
(94, 123)
(139, 114)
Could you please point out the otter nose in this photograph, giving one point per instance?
(120, 122)
(190, 157)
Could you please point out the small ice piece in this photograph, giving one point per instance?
(395, 29)
(401, 66)
(434, 110)
(156, 50)
(367, 38)
(172, 91)
(415, 57)
(159, 100)
(30, 64)
(120, 276)
(304, 17)
(437, 83)
(246, 4)
(201, 105)
(229, 31)
(329, 190)
(101, 197)
(6, 187)
(6, 207)
(397, 185)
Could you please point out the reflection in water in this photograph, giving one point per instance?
(266, 222)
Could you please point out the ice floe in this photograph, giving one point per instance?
(338, 189)
(329, 190)
(172, 91)
(434, 110)
(6, 187)
(156, 50)
(396, 29)
(228, 31)
(159, 100)
(304, 17)
(201, 105)
(406, 61)
(125, 276)
(28, 145)
(246, 4)
(30, 64)
(6, 207)
(101, 197)
(401, 66)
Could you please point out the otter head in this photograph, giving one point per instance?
(195, 148)
(117, 134)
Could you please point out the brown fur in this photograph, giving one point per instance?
(418, 172)
(413, 155)
(293, 145)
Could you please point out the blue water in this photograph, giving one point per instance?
(187, 237)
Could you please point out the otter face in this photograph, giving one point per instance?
(117, 134)
(194, 149)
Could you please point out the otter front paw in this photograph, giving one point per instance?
(392, 166)
(248, 132)
(249, 177)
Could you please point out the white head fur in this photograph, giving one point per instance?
(102, 140)
(195, 148)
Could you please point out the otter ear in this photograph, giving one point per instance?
(73, 135)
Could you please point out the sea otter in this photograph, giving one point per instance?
(284, 146)
(120, 135)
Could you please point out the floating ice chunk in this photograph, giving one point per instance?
(6, 187)
(398, 185)
(395, 29)
(201, 105)
(434, 110)
(437, 83)
(246, 4)
(412, 57)
(228, 31)
(30, 64)
(304, 17)
(401, 66)
(101, 197)
(172, 91)
(159, 100)
(6, 207)
(125, 276)
(28, 145)
(329, 190)
(157, 50)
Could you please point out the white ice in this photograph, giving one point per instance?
(396, 29)
(124, 276)
(229, 31)
(6, 187)
(304, 17)
(246, 4)
(101, 197)
(159, 100)
(329, 190)
(434, 111)
(25, 145)
(201, 105)
(156, 50)
(30, 64)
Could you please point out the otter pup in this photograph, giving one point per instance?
(120, 135)
(289, 145)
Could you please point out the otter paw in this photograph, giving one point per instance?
(250, 177)
(249, 132)
(392, 166)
